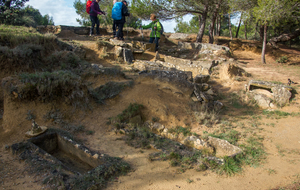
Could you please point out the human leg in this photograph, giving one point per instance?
(156, 42)
(93, 24)
(120, 24)
(97, 26)
(121, 31)
(151, 40)
(114, 28)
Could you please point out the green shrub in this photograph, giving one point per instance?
(282, 59)
(132, 110)
(47, 86)
(230, 167)
(13, 36)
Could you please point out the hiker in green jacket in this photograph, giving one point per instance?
(156, 28)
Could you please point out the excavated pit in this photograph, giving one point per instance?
(69, 153)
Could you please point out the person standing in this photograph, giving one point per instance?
(155, 30)
(114, 24)
(120, 23)
(95, 10)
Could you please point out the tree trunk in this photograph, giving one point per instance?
(261, 32)
(202, 22)
(245, 30)
(229, 24)
(216, 27)
(211, 30)
(238, 28)
(219, 26)
(256, 31)
(284, 37)
(263, 59)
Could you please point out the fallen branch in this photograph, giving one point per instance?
(283, 38)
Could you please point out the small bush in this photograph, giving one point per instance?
(90, 132)
(47, 86)
(55, 116)
(230, 167)
(64, 60)
(282, 59)
(155, 119)
(30, 115)
(13, 36)
(132, 110)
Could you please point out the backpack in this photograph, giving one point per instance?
(117, 11)
(162, 28)
(88, 6)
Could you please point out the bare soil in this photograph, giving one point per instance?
(281, 136)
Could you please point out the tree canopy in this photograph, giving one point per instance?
(14, 13)
(9, 10)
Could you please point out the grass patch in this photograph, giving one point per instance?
(230, 167)
(178, 129)
(253, 152)
(280, 150)
(279, 114)
(231, 136)
(177, 154)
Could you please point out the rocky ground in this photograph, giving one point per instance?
(277, 131)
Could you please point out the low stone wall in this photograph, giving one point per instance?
(220, 146)
(202, 46)
(79, 30)
(196, 67)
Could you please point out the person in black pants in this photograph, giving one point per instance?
(95, 10)
(120, 23)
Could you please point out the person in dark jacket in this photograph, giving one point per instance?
(95, 10)
(120, 23)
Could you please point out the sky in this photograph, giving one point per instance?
(63, 13)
